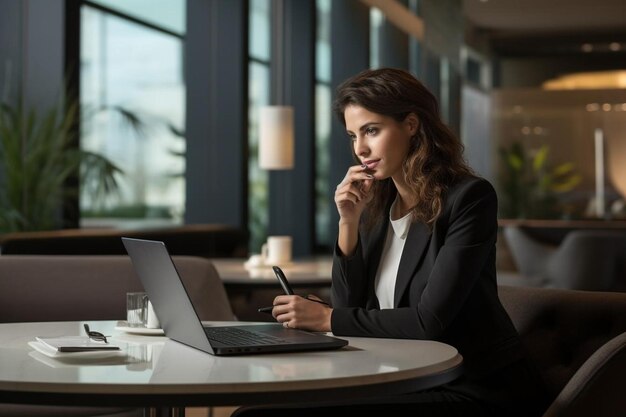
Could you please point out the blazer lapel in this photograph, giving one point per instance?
(373, 253)
(416, 241)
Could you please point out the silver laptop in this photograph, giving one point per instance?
(180, 321)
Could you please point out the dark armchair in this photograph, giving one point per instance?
(593, 260)
(578, 341)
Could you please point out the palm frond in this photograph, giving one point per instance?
(37, 157)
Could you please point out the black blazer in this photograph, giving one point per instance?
(446, 286)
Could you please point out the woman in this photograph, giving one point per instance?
(415, 255)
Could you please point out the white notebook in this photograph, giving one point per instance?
(75, 344)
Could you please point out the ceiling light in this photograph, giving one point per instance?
(586, 47)
(615, 46)
(276, 137)
(588, 80)
(592, 107)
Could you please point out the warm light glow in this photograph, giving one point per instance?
(588, 80)
(400, 15)
(276, 137)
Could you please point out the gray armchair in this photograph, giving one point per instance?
(578, 341)
(60, 288)
(591, 260)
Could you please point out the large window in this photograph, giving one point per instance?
(132, 69)
(323, 115)
(259, 95)
(377, 19)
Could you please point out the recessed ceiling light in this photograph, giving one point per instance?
(615, 46)
(586, 47)
(592, 107)
(588, 80)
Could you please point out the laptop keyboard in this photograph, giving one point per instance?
(234, 336)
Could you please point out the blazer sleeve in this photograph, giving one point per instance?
(349, 279)
(468, 228)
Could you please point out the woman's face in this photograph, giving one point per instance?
(379, 141)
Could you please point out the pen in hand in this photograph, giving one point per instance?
(282, 279)
(269, 308)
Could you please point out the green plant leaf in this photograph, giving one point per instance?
(563, 169)
(567, 184)
(540, 158)
(515, 162)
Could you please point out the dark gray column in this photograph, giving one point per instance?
(432, 72)
(454, 101)
(350, 55)
(216, 70)
(43, 54)
(394, 46)
(10, 49)
(291, 192)
(32, 62)
(10, 54)
(32, 51)
(416, 61)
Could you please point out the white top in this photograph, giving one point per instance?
(152, 366)
(390, 259)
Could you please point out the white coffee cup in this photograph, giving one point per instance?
(152, 321)
(278, 250)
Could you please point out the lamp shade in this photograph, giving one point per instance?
(276, 137)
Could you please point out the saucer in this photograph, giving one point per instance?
(124, 327)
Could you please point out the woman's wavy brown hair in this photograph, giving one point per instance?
(435, 158)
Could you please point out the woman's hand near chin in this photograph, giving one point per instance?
(351, 197)
(352, 194)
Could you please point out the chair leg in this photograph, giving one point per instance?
(164, 412)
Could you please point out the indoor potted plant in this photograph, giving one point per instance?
(38, 158)
(530, 186)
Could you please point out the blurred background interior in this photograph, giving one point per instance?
(142, 117)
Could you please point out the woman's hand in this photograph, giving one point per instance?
(297, 312)
(351, 197)
(352, 194)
